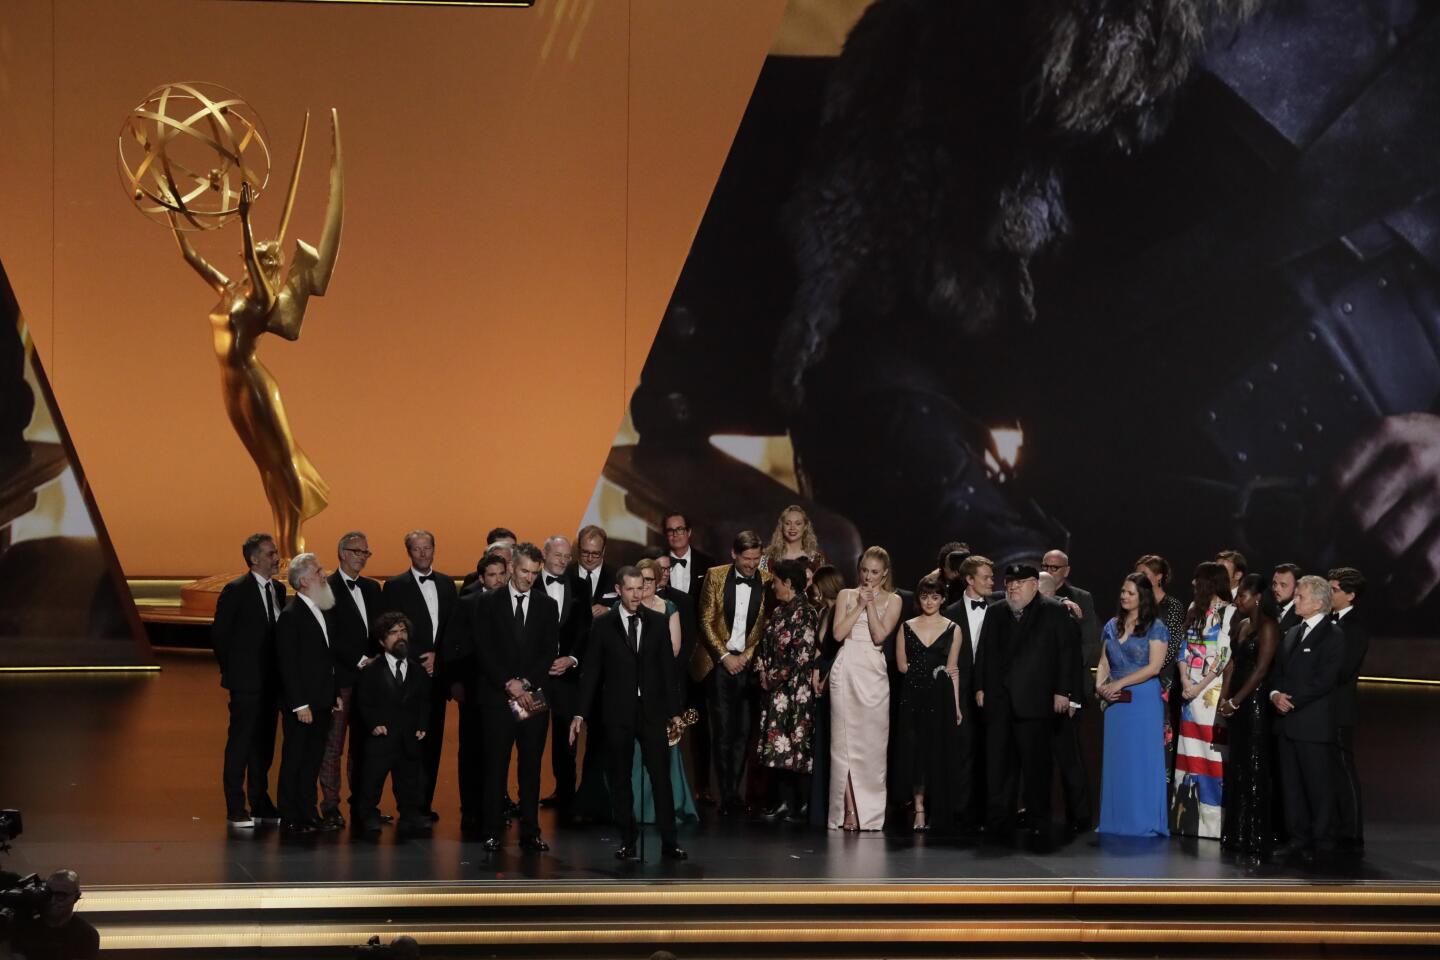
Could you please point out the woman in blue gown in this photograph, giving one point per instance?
(1132, 791)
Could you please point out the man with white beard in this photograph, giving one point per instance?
(309, 696)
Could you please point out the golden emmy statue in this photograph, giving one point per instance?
(191, 153)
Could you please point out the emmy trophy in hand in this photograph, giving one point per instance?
(194, 156)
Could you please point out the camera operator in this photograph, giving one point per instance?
(59, 933)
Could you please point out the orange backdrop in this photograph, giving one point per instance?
(521, 190)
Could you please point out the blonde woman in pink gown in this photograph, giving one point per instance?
(860, 696)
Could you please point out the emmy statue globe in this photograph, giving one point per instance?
(194, 156)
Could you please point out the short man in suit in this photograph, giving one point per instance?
(392, 708)
(563, 688)
(1346, 585)
(244, 639)
(1023, 679)
(515, 635)
(732, 621)
(428, 598)
(1282, 584)
(687, 579)
(357, 604)
(491, 574)
(1306, 684)
(303, 648)
(593, 578)
(629, 666)
(977, 573)
(1065, 734)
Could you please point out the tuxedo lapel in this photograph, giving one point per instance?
(730, 599)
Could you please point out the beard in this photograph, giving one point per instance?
(323, 596)
(400, 650)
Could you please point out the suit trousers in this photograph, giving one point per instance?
(388, 756)
(655, 755)
(731, 701)
(1307, 778)
(249, 752)
(434, 741)
(1016, 748)
(300, 758)
(503, 733)
(1075, 786)
(564, 695)
(470, 761)
(340, 723)
(1350, 811)
(699, 738)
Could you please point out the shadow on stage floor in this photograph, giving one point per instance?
(118, 778)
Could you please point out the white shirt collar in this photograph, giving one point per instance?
(417, 574)
(515, 593)
(314, 607)
(392, 660)
(1311, 622)
(682, 556)
(263, 581)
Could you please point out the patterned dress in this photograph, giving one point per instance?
(787, 717)
(1200, 759)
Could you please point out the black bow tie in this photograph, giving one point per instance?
(752, 582)
(425, 578)
(352, 584)
(549, 579)
(977, 604)
(680, 560)
(1334, 618)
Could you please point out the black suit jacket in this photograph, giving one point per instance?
(614, 671)
(244, 638)
(1357, 643)
(501, 656)
(350, 637)
(402, 594)
(1309, 671)
(604, 584)
(1089, 622)
(574, 615)
(380, 701)
(307, 667)
(698, 564)
(1026, 662)
(965, 662)
(1289, 620)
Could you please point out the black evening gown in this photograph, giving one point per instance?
(1245, 826)
(928, 748)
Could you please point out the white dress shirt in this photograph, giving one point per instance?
(391, 660)
(357, 595)
(431, 593)
(625, 618)
(588, 578)
(556, 591)
(680, 576)
(1340, 614)
(324, 630)
(1286, 609)
(525, 610)
(1306, 625)
(267, 589)
(742, 612)
(976, 617)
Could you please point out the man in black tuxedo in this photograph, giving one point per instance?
(592, 577)
(1346, 585)
(243, 636)
(462, 669)
(515, 635)
(1065, 732)
(428, 598)
(307, 675)
(357, 604)
(1023, 679)
(1282, 584)
(1306, 682)
(1057, 564)
(687, 579)
(629, 668)
(977, 573)
(563, 688)
(490, 574)
(392, 709)
(496, 536)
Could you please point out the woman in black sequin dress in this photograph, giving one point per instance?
(927, 741)
(1245, 703)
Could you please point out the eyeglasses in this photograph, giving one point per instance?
(1053, 567)
(358, 552)
(592, 554)
(648, 579)
(671, 531)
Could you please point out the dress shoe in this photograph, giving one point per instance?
(551, 801)
(510, 807)
(386, 819)
(264, 812)
(296, 827)
(625, 852)
(491, 844)
(534, 844)
(412, 829)
(332, 821)
(705, 798)
(432, 815)
(368, 827)
(239, 820)
(673, 851)
(776, 812)
(725, 810)
(1291, 851)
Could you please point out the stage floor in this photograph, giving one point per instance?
(118, 778)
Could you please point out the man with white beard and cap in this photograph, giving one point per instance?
(309, 696)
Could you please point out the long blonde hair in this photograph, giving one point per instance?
(808, 541)
(881, 555)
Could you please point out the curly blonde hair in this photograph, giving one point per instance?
(775, 552)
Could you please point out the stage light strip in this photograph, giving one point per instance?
(291, 936)
(720, 894)
(141, 668)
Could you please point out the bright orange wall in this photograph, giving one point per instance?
(522, 188)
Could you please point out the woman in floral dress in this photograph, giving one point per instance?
(787, 653)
